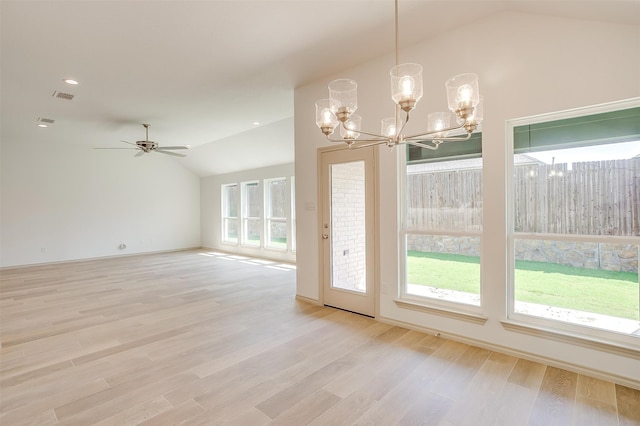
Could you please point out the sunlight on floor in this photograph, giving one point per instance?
(250, 260)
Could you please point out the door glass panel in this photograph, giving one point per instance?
(348, 235)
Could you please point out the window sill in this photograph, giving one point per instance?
(572, 338)
(441, 311)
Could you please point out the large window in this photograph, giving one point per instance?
(443, 223)
(251, 214)
(576, 223)
(259, 214)
(230, 203)
(276, 203)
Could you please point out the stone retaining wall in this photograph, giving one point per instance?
(611, 257)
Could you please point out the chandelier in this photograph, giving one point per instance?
(465, 104)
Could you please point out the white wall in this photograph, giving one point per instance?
(528, 64)
(62, 202)
(212, 210)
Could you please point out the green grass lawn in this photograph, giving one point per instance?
(276, 242)
(591, 290)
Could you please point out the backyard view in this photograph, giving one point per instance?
(576, 225)
(611, 293)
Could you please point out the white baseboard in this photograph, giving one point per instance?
(308, 300)
(89, 259)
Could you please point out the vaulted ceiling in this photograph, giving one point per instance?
(203, 71)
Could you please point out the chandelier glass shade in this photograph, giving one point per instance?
(464, 102)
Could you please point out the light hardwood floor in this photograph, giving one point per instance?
(196, 338)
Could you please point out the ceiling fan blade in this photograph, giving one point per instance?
(130, 143)
(116, 148)
(173, 147)
(170, 153)
(139, 154)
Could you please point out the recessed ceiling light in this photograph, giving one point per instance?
(70, 81)
(42, 125)
(256, 123)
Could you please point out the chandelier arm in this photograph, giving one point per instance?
(335, 140)
(422, 145)
(445, 139)
(433, 132)
(375, 135)
(456, 138)
(366, 145)
(374, 141)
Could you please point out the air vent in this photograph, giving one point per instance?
(46, 120)
(62, 95)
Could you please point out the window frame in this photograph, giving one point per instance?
(442, 307)
(269, 219)
(583, 334)
(245, 217)
(225, 218)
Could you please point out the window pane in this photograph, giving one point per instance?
(252, 200)
(277, 234)
(445, 195)
(444, 267)
(586, 283)
(252, 232)
(591, 190)
(231, 201)
(565, 193)
(277, 198)
(252, 218)
(230, 231)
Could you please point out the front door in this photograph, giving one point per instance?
(348, 229)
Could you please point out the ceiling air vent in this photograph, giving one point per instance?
(62, 95)
(46, 120)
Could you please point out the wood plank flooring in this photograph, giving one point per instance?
(201, 338)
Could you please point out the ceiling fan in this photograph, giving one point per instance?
(146, 146)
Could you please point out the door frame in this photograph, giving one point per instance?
(376, 215)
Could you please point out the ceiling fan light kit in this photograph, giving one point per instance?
(463, 96)
(147, 146)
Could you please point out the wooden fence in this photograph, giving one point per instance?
(593, 198)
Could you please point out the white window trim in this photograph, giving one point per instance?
(244, 217)
(446, 308)
(267, 214)
(224, 217)
(586, 336)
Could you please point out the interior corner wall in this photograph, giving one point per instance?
(528, 65)
(62, 202)
(211, 199)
